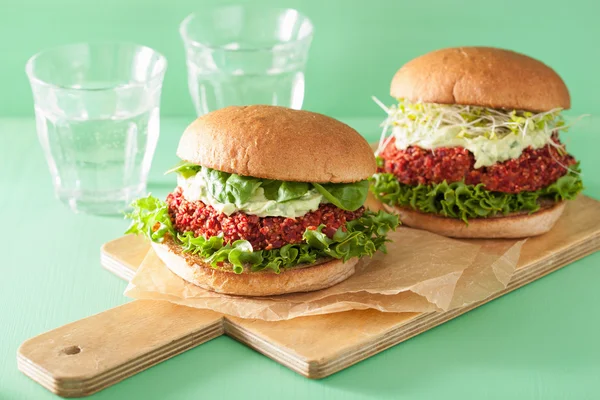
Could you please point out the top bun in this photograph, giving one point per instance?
(273, 142)
(481, 76)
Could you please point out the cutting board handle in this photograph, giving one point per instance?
(88, 355)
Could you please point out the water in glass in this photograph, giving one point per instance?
(97, 113)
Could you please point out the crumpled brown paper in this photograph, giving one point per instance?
(421, 272)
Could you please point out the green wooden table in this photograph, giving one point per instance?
(540, 342)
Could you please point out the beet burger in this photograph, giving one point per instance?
(269, 201)
(474, 148)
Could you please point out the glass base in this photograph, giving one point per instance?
(113, 203)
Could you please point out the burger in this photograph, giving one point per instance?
(269, 201)
(474, 150)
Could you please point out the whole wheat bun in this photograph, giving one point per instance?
(273, 142)
(481, 76)
(513, 226)
(262, 283)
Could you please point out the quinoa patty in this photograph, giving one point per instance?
(533, 170)
(264, 233)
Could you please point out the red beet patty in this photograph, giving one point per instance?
(533, 170)
(263, 233)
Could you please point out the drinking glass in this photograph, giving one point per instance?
(238, 55)
(97, 117)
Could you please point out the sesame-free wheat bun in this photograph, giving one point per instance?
(307, 278)
(272, 142)
(481, 76)
(512, 226)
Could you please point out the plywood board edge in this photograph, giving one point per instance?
(433, 319)
(285, 357)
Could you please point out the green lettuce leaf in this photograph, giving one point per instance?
(150, 217)
(185, 169)
(347, 196)
(459, 200)
(363, 237)
(230, 188)
(281, 191)
(237, 189)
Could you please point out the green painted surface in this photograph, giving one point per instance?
(357, 48)
(540, 342)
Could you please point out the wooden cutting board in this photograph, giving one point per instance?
(86, 356)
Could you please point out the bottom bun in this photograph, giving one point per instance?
(511, 226)
(262, 283)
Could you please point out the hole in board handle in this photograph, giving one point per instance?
(71, 350)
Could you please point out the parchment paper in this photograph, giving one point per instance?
(421, 272)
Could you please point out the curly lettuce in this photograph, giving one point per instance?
(150, 217)
(459, 200)
(236, 189)
(362, 237)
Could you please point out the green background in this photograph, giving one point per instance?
(358, 45)
(540, 342)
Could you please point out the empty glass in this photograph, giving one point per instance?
(97, 113)
(239, 55)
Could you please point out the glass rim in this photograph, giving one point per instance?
(183, 31)
(33, 78)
